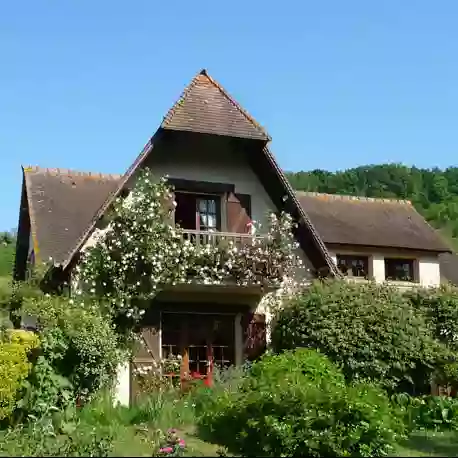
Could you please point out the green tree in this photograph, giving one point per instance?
(434, 192)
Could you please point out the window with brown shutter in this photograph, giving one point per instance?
(198, 212)
(254, 335)
(146, 352)
(238, 213)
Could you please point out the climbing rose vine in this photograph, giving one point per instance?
(140, 251)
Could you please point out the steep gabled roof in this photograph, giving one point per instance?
(206, 107)
(61, 205)
(367, 221)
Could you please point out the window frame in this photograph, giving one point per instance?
(197, 198)
(412, 262)
(354, 257)
(217, 214)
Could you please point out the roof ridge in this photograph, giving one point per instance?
(358, 198)
(168, 117)
(242, 110)
(62, 171)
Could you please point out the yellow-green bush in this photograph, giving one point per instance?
(14, 366)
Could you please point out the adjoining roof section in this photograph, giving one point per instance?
(206, 107)
(367, 221)
(62, 204)
(309, 237)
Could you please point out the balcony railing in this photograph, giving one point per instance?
(216, 238)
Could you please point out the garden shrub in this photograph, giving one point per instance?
(43, 438)
(14, 367)
(429, 412)
(79, 342)
(45, 389)
(372, 331)
(297, 404)
(440, 306)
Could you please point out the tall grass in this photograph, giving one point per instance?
(161, 410)
(126, 431)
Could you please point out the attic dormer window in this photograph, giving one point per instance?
(353, 265)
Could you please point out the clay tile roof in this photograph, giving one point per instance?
(372, 222)
(62, 204)
(206, 107)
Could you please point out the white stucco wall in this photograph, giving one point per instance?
(427, 267)
(377, 265)
(122, 386)
(213, 162)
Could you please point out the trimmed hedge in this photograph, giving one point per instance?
(298, 404)
(372, 331)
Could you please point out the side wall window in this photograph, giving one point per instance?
(353, 265)
(397, 269)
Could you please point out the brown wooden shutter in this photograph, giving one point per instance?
(238, 213)
(254, 335)
(168, 205)
(147, 350)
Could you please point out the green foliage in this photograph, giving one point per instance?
(7, 251)
(44, 438)
(45, 390)
(440, 305)
(373, 332)
(14, 367)
(429, 412)
(297, 403)
(434, 192)
(79, 344)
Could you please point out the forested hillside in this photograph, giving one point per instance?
(7, 248)
(434, 192)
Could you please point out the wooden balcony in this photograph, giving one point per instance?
(217, 238)
(227, 292)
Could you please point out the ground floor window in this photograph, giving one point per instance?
(397, 269)
(353, 265)
(202, 341)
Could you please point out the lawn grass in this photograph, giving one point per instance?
(429, 443)
(137, 442)
(142, 441)
(137, 429)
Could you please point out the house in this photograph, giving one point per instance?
(218, 159)
(382, 239)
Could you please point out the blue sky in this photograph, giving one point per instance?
(337, 84)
